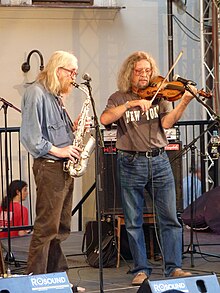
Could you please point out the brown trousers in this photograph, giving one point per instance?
(53, 217)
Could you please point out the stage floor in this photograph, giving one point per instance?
(118, 279)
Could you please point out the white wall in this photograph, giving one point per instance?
(101, 39)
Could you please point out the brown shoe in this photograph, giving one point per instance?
(139, 279)
(180, 273)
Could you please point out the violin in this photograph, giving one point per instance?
(172, 91)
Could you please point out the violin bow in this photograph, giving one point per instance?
(168, 73)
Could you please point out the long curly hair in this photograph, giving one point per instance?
(126, 71)
(48, 77)
(16, 185)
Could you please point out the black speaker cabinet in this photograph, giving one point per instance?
(192, 284)
(109, 190)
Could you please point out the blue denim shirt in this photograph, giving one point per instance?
(44, 122)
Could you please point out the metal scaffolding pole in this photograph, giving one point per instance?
(209, 44)
(209, 38)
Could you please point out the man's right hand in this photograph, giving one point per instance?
(71, 152)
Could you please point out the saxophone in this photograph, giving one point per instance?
(78, 167)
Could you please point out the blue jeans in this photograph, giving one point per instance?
(155, 174)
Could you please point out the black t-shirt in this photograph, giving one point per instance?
(138, 131)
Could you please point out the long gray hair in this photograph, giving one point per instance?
(48, 77)
(126, 71)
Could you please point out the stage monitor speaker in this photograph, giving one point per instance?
(192, 284)
(54, 282)
(109, 191)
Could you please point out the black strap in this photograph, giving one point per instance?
(60, 101)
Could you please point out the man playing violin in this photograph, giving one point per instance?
(143, 163)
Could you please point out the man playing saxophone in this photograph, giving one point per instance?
(46, 133)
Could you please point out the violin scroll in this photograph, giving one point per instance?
(205, 94)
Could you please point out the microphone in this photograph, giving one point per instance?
(176, 77)
(86, 77)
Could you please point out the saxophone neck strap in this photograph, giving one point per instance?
(61, 104)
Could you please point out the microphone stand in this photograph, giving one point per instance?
(191, 247)
(216, 117)
(99, 143)
(5, 105)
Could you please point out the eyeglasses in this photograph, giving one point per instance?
(72, 72)
(141, 71)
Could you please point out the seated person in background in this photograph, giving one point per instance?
(197, 187)
(17, 193)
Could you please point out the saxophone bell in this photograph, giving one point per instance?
(79, 168)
